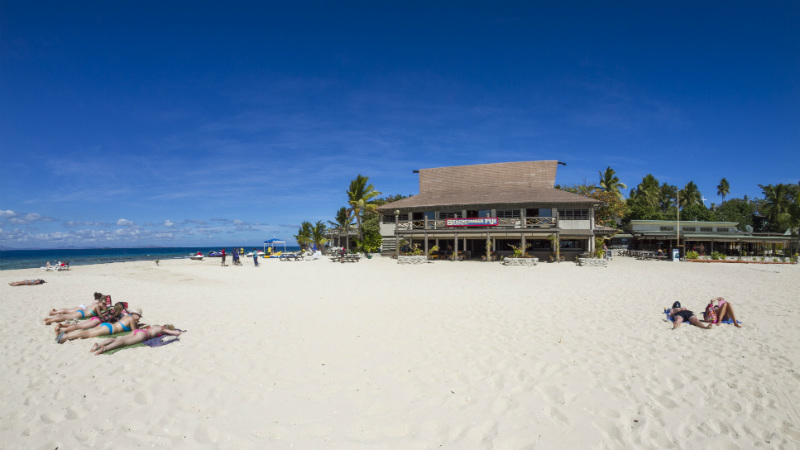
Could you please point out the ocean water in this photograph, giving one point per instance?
(28, 259)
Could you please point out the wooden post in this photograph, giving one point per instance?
(558, 247)
(426, 238)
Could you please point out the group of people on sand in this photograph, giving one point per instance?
(102, 318)
(717, 311)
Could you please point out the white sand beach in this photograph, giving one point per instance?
(378, 355)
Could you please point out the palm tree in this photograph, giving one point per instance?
(776, 207)
(690, 195)
(318, 234)
(723, 189)
(647, 192)
(303, 236)
(360, 197)
(343, 222)
(794, 220)
(610, 182)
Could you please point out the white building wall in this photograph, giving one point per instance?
(575, 224)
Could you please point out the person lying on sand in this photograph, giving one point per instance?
(98, 298)
(138, 335)
(126, 323)
(107, 315)
(26, 282)
(718, 310)
(681, 315)
(91, 311)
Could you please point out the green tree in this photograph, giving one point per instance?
(697, 212)
(667, 198)
(690, 195)
(343, 221)
(613, 206)
(777, 199)
(304, 234)
(647, 193)
(794, 220)
(361, 198)
(737, 210)
(609, 182)
(317, 232)
(372, 239)
(390, 198)
(723, 189)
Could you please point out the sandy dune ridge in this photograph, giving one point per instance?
(316, 354)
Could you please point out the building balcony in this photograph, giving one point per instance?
(502, 223)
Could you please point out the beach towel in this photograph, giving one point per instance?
(672, 319)
(158, 341)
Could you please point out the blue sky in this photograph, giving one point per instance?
(226, 123)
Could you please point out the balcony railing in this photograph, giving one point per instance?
(516, 222)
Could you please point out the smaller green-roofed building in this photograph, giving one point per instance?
(702, 237)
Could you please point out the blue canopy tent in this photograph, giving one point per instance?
(271, 243)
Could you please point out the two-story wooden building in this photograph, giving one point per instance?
(465, 209)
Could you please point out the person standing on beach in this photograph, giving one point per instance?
(255, 257)
(223, 257)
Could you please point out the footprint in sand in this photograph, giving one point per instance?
(143, 398)
(52, 417)
(553, 394)
(206, 434)
(558, 417)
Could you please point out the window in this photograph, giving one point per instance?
(573, 214)
(449, 215)
(667, 229)
(572, 244)
(689, 229)
(508, 213)
(706, 229)
(390, 218)
(723, 229)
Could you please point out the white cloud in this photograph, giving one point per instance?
(124, 223)
(169, 223)
(7, 213)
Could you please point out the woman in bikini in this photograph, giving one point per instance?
(681, 315)
(26, 282)
(719, 309)
(98, 297)
(138, 335)
(126, 323)
(107, 315)
(90, 311)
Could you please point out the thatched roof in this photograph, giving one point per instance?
(515, 183)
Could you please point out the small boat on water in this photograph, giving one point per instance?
(214, 254)
(196, 256)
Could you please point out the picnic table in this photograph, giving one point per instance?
(350, 257)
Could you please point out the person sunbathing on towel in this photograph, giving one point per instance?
(107, 315)
(126, 323)
(680, 315)
(98, 297)
(719, 309)
(91, 311)
(26, 282)
(138, 335)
